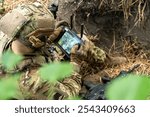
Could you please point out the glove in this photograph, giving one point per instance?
(54, 35)
(75, 54)
(82, 52)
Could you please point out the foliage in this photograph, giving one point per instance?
(1, 1)
(2, 9)
(131, 87)
(56, 71)
(8, 84)
(9, 87)
(9, 60)
(51, 72)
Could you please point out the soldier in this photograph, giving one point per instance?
(27, 30)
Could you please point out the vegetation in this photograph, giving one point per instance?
(131, 87)
(50, 72)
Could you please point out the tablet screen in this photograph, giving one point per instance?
(68, 40)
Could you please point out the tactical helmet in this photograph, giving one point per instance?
(27, 23)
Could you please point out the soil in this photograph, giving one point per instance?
(112, 33)
(105, 26)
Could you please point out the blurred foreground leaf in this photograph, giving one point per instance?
(9, 59)
(131, 87)
(56, 71)
(74, 98)
(8, 87)
(1, 1)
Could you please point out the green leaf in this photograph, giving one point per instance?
(74, 98)
(1, 1)
(56, 71)
(9, 59)
(2, 10)
(8, 87)
(131, 87)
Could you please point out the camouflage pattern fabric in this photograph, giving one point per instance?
(32, 21)
(92, 53)
(88, 52)
(33, 87)
(30, 28)
(41, 23)
(26, 19)
(70, 86)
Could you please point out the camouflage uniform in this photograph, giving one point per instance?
(28, 23)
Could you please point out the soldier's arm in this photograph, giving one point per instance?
(88, 52)
(70, 87)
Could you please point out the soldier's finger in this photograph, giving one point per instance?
(74, 49)
(54, 35)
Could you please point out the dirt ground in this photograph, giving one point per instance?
(111, 32)
(107, 30)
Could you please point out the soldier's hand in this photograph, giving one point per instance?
(55, 35)
(59, 28)
(74, 56)
(79, 52)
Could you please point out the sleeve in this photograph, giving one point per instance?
(32, 86)
(70, 87)
(88, 52)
